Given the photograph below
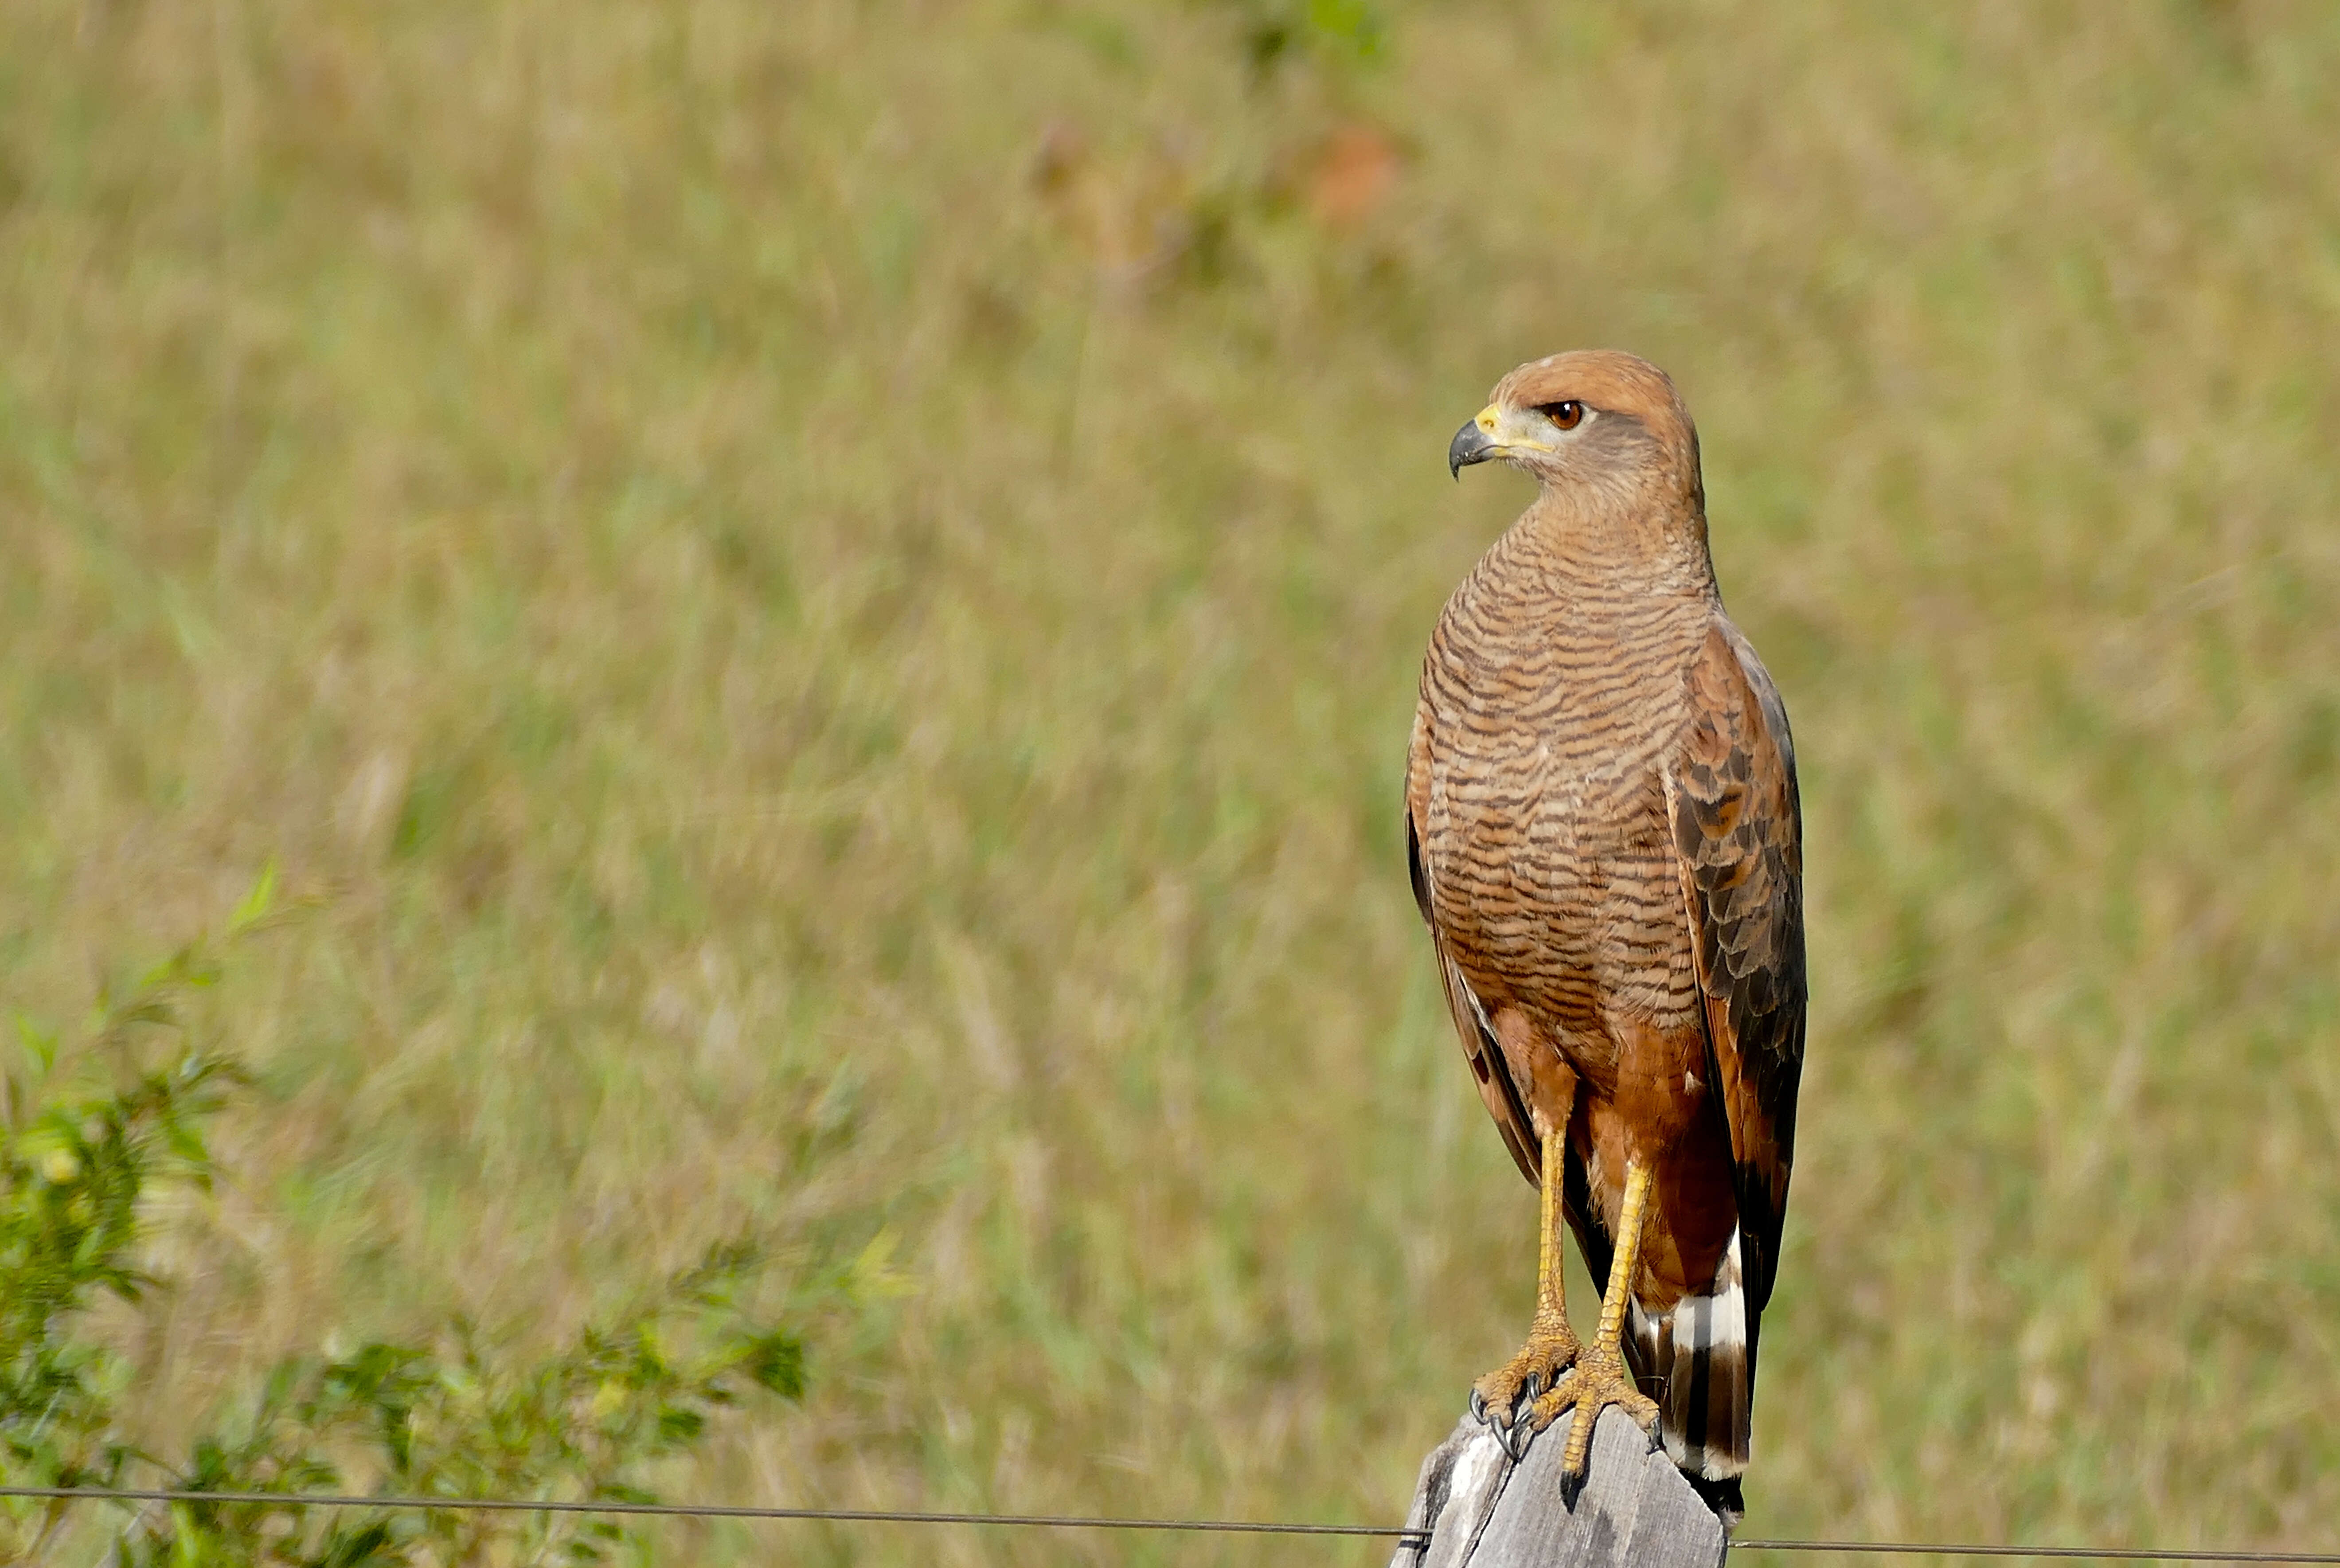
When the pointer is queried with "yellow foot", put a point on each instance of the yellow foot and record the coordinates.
(1599, 1380)
(1506, 1398)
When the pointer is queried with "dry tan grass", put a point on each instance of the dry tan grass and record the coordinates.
(826, 599)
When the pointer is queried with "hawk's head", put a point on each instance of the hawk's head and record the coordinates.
(1592, 418)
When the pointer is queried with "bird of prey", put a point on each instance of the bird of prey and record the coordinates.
(1604, 838)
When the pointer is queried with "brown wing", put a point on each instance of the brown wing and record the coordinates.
(1730, 784)
(1471, 1023)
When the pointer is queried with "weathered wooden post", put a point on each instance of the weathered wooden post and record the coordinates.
(1481, 1508)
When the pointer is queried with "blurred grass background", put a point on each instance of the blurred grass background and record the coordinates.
(826, 596)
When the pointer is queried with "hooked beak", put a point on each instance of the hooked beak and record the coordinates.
(1494, 431)
(1471, 444)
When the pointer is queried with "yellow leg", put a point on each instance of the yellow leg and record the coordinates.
(1552, 1347)
(1601, 1377)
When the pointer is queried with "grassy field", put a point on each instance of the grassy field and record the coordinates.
(823, 600)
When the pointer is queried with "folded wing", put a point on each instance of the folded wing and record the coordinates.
(1731, 785)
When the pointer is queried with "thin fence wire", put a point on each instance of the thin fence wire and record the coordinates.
(2092, 1553)
(712, 1510)
(1400, 1533)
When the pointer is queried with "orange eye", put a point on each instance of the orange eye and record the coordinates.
(1566, 415)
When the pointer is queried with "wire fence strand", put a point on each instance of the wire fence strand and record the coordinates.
(712, 1510)
(2091, 1554)
(1404, 1535)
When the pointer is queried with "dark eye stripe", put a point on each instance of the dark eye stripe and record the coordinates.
(1566, 415)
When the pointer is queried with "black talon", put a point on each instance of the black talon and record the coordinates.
(1478, 1406)
(1572, 1485)
(1532, 1387)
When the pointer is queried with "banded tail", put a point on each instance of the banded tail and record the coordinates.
(1698, 1361)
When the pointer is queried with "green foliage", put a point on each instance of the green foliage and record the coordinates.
(462, 1422)
(85, 1137)
(92, 1131)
